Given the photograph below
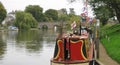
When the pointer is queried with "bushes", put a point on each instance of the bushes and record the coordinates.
(25, 20)
(111, 41)
(2, 12)
(109, 29)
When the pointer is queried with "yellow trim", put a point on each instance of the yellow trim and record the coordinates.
(82, 51)
(75, 41)
(96, 33)
(81, 47)
(58, 49)
(86, 45)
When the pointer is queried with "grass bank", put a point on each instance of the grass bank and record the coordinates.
(110, 38)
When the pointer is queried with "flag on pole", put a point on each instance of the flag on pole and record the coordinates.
(85, 8)
(73, 25)
(85, 11)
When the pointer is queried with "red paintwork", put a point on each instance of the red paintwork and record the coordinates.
(60, 54)
(76, 52)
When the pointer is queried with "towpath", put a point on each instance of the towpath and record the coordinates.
(104, 58)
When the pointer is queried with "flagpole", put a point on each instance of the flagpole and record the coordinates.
(80, 29)
(84, 14)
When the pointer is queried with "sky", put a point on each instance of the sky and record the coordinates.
(11, 5)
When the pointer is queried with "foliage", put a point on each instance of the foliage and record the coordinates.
(69, 18)
(63, 17)
(107, 8)
(72, 11)
(111, 40)
(2, 12)
(51, 14)
(98, 8)
(73, 18)
(36, 11)
(109, 29)
(64, 11)
(25, 20)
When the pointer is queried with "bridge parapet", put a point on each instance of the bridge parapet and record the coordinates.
(49, 24)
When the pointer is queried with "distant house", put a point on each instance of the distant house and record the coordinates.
(9, 19)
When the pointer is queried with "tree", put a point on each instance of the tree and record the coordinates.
(36, 11)
(64, 11)
(73, 17)
(72, 11)
(25, 20)
(114, 5)
(51, 14)
(63, 17)
(103, 16)
(2, 13)
(102, 11)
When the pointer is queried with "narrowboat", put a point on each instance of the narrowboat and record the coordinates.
(74, 49)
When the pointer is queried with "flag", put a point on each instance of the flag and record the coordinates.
(73, 25)
(85, 11)
(85, 8)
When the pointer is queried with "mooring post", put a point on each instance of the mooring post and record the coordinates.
(97, 36)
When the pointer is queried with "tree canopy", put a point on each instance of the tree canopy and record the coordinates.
(51, 14)
(34, 14)
(2, 12)
(104, 9)
(109, 7)
(64, 11)
(36, 11)
(25, 20)
(71, 11)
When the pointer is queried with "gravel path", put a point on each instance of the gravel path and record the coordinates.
(104, 58)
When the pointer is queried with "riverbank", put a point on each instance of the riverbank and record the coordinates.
(104, 58)
(110, 38)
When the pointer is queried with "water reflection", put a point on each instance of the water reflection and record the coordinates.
(32, 40)
(2, 46)
(33, 47)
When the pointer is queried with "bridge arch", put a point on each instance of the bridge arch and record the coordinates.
(50, 25)
(44, 26)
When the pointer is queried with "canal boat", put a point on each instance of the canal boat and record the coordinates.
(74, 49)
(78, 47)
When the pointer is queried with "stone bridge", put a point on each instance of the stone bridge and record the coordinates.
(50, 24)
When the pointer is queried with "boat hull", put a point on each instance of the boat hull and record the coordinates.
(52, 63)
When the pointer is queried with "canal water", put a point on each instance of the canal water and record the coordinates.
(35, 47)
